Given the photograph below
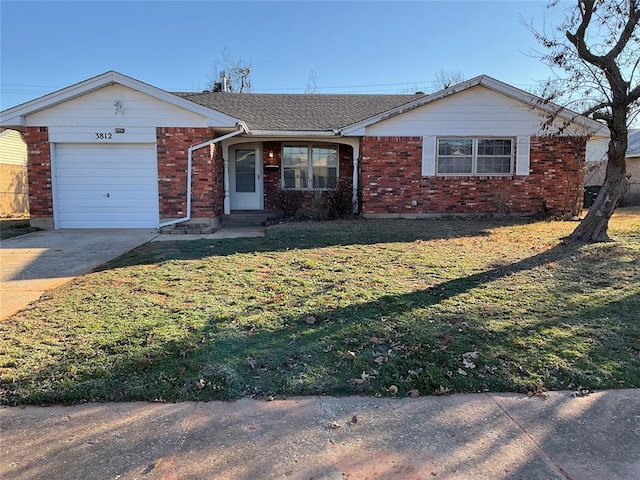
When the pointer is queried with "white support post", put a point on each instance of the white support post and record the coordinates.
(356, 156)
(227, 199)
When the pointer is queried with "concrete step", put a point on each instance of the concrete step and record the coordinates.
(247, 218)
(188, 229)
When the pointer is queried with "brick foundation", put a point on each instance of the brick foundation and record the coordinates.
(392, 181)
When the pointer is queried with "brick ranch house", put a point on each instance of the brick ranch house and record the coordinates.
(112, 151)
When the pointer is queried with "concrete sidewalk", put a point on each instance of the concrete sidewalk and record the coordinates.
(479, 436)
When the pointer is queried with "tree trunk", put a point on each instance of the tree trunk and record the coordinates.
(593, 228)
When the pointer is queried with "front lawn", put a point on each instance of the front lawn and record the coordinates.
(424, 307)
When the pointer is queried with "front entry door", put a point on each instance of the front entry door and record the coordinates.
(246, 179)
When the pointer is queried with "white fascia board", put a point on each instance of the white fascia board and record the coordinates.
(485, 81)
(292, 133)
(16, 116)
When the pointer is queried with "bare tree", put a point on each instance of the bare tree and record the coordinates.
(445, 79)
(230, 74)
(596, 55)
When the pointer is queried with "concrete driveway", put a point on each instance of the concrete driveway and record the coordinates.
(34, 263)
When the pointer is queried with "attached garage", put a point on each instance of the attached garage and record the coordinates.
(105, 185)
(115, 152)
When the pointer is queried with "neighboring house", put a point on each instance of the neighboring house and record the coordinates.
(14, 193)
(112, 151)
(597, 165)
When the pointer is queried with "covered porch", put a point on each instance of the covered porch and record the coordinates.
(258, 172)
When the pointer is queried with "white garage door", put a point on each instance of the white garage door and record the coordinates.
(106, 186)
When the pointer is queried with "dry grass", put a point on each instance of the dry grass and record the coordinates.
(339, 308)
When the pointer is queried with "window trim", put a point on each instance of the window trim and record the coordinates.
(310, 146)
(474, 156)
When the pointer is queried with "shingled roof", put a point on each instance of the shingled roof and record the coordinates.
(298, 112)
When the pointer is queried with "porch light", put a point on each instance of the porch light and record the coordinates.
(271, 161)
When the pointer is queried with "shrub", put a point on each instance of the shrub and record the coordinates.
(288, 201)
(340, 200)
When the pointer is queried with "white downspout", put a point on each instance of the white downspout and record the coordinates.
(241, 129)
(356, 158)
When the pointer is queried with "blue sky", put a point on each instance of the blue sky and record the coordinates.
(352, 47)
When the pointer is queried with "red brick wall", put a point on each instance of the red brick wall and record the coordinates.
(272, 176)
(39, 172)
(217, 200)
(391, 179)
(173, 145)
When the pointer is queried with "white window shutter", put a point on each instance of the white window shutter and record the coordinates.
(522, 156)
(428, 156)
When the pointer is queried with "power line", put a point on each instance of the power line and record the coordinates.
(27, 89)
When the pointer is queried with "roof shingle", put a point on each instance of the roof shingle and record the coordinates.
(298, 112)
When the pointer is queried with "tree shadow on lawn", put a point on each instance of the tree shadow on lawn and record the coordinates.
(366, 347)
(314, 235)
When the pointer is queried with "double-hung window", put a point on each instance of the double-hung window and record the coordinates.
(475, 156)
(307, 167)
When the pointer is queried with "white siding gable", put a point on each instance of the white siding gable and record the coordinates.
(13, 149)
(477, 111)
(100, 108)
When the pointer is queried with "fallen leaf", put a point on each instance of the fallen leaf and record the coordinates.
(462, 372)
(334, 425)
(468, 364)
(442, 390)
(350, 355)
(393, 390)
(467, 357)
(354, 419)
(310, 320)
(380, 360)
(328, 349)
(374, 340)
(415, 393)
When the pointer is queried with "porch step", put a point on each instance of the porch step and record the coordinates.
(247, 218)
(188, 229)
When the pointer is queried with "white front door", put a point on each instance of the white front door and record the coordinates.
(245, 178)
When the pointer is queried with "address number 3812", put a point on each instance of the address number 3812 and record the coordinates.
(103, 136)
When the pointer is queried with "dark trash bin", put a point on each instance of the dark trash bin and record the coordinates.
(590, 194)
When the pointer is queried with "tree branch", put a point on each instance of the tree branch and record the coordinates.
(602, 116)
(578, 38)
(597, 107)
(629, 27)
(634, 94)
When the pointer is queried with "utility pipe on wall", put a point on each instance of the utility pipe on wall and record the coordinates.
(241, 129)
